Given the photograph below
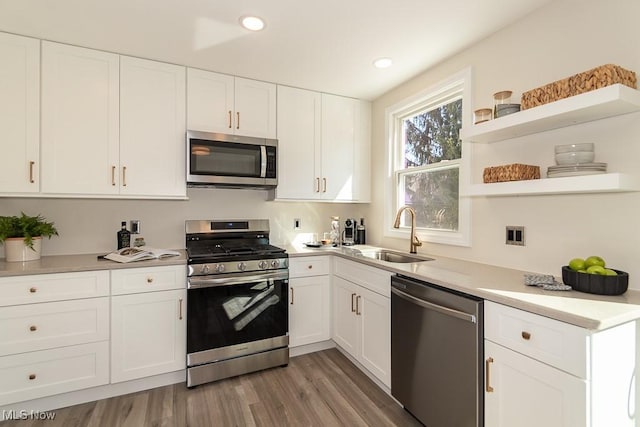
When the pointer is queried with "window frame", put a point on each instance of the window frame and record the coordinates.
(431, 97)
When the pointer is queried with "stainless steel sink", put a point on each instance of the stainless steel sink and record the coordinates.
(393, 256)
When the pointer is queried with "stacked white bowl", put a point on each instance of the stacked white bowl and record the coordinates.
(574, 154)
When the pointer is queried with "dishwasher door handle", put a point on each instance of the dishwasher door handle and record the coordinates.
(440, 309)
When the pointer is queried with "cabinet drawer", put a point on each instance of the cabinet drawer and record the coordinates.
(43, 373)
(33, 327)
(555, 343)
(149, 279)
(374, 279)
(309, 266)
(53, 287)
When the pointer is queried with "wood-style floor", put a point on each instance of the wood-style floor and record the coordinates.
(316, 389)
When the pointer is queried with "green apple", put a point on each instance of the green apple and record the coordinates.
(609, 272)
(596, 269)
(582, 271)
(577, 264)
(594, 260)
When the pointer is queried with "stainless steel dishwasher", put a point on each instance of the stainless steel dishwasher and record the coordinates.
(437, 353)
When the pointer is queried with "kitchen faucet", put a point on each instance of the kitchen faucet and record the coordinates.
(415, 242)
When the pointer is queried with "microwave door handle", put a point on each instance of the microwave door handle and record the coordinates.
(263, 161)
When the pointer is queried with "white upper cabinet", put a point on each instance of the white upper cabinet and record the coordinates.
(80, 120)
(19, 114)
(324, 147)
(232, 105)
(299, 147)
(152, 128)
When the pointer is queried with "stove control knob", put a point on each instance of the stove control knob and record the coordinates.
(242, 266)
(275, 263)
(263, 264)
(205, 269)
(219, 268)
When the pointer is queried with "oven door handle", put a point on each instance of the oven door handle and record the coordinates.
(196, 282)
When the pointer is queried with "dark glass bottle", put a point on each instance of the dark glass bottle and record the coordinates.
(361, 238)
(124, 236)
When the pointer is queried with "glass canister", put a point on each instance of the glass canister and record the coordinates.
(482, 115)
(501, 99)
(335, 230)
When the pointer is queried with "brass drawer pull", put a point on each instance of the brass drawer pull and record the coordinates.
(358, 312)
(180, 315)
(353, 310)
(487, 373)
(317, 185)
(238, 121)
(292, 296)
(113, 175)
(526, 335)
(32, 376)
(324, 185)
(33, 289)
(124, 176)
(33, 328)
(229, 119)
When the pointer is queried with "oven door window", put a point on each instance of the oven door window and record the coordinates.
(227, 315)
(225, 159)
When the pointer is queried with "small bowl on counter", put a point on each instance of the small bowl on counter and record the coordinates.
(595, 283)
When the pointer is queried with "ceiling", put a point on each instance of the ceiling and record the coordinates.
(326, 45)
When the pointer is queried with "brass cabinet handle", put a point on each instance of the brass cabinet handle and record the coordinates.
(124, 176)
(149, 280)
(526, 335)
(317, 185)
(32, 376)
(353, 310)
(324, 185)
(291, 296)
(238, 120)
(33, 328)
(31, 164)
(230, 119)
(487, 366)
(180, 313)
(33, 289)
(358, 312)
(113, 175)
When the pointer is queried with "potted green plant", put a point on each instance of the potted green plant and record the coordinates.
(22, 236)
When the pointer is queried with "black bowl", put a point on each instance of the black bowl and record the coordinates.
(596, 284)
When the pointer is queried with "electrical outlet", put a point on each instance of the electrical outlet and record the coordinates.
(135, 226)
(297, 223)
(514, 235)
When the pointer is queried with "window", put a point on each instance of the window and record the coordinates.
(427, 165)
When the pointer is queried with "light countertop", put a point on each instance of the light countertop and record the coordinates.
(498, 284)
(506, 286)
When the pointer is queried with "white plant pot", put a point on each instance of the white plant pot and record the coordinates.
(16, 251)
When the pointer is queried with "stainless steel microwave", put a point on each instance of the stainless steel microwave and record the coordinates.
(232, 161)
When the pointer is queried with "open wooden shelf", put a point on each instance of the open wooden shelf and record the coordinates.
(598, 104)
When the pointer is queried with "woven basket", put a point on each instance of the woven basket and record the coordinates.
(513, 172)
(596, 78)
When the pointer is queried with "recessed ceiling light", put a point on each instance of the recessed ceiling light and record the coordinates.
(383, 63)
(252, 23)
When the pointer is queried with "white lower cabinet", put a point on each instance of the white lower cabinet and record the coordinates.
(309, 300)
(543, 372)
(362, 317)
(148, 328)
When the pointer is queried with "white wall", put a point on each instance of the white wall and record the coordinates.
(557, 41)
(90, 226)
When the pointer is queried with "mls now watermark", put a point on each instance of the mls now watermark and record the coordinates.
(24, 414)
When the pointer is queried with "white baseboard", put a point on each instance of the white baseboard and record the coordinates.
(311, 348)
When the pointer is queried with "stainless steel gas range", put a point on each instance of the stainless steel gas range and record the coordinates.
(237, 314)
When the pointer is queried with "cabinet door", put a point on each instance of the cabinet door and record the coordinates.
(528, 393)
(148, 334)
(80, 99)
(152, 128)
(375, 347)
(210, 101)
(19, 114)
(255, 113)
(338, 138)
(346, 327)
(298, 144)
(309, 310)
